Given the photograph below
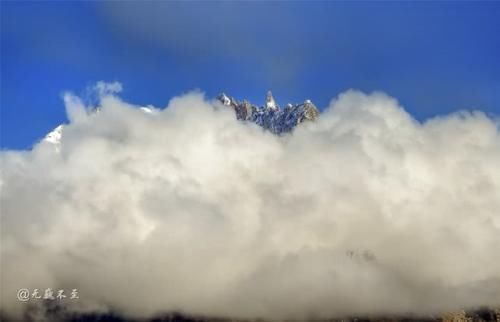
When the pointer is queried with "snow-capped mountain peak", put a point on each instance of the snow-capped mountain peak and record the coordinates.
(225, 100)
(270, 102)
(55, 135)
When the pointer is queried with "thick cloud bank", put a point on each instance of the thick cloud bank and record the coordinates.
(365, 211)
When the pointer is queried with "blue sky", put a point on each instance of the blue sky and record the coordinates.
(434, 57)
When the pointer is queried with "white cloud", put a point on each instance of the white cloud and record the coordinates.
(103, 88)
(364, 211)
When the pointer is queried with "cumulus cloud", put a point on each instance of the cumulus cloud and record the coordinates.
(365, 211)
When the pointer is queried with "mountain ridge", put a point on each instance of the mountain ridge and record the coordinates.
(270, 116)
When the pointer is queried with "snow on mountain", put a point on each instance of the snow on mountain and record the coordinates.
(147, 110)
(54, 136)
(270, 102)
(224, 99)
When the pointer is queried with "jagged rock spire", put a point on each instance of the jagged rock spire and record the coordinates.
(224, 99)
(310, 110)
(270, 102)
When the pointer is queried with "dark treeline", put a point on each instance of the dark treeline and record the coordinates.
(58, 314)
